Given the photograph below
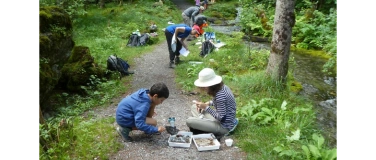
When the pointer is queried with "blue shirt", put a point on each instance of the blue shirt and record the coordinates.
(133, 109)
(187, 32)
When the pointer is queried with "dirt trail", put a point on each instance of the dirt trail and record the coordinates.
(149, 69)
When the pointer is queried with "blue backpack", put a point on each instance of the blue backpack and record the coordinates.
(115, 63)
(209, 35)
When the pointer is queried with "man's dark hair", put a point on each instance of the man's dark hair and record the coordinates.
(160, 89)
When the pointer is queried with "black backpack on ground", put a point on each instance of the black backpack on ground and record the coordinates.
(144, 39)
(207, 47)
(115, 63)
(135, 40)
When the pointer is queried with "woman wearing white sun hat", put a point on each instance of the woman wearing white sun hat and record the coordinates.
(219, 113)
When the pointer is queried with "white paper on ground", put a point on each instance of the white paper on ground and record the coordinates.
(219, 45)
(195, 62)
(184, 52)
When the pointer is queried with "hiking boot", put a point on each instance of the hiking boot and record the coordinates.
(124, 133)
(171, 65)
(177, 60)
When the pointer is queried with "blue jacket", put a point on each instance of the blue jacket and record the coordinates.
(133, 109)
(187, 32)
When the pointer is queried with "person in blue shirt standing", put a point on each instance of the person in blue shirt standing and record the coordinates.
(181, 31)
(135, 111)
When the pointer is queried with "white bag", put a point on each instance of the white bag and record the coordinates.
(173, 43)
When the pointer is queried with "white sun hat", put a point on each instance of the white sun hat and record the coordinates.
(207, 78)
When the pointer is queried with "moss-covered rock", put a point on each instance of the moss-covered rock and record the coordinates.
(55, 46)
(295, 86)
(80, 70)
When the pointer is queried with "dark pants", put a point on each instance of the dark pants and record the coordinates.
(178, 46)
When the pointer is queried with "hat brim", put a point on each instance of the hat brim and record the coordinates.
(216, 80)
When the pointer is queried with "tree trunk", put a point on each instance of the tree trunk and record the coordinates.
(101, 4)
(280, 47)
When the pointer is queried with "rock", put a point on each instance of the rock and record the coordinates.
(55, 47)
(80, 70)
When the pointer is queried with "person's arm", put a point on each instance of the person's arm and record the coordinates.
(140, 117)
(151, 112)
(219, 113)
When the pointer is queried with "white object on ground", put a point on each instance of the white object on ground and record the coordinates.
(195, 62)
(219, 45)
(229, 142)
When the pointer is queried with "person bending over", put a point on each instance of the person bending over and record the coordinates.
(181, 31)
(190, 13)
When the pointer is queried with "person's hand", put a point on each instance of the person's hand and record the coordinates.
(197, 108)
(155, 114)
(201, 105)
(161, 129)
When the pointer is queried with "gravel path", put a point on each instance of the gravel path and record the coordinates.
(149, 69)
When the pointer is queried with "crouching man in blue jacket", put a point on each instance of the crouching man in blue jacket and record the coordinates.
(135, 111)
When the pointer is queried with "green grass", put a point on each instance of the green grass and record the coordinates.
(223, 11)
(106, 32)
(86, 139)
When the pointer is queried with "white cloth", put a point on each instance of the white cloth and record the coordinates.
(173, 43)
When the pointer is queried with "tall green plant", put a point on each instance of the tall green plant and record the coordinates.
(316, 150)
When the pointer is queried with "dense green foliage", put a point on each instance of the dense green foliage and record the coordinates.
(315, 25)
